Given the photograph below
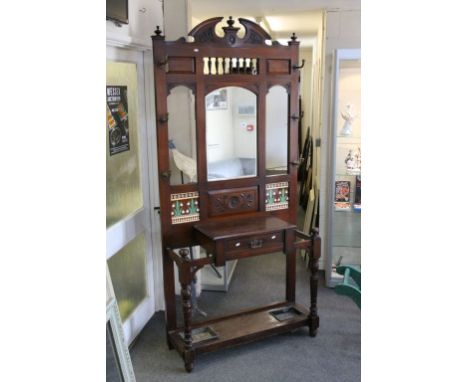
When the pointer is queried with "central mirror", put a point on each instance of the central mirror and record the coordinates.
(231, 133)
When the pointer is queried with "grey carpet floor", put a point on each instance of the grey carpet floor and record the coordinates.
(333, 356)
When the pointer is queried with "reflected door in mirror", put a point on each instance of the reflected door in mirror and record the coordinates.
(182, 136)
(276, 153)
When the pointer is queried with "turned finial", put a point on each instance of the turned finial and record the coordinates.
(230, 21)
(158, 31)
(294, 37)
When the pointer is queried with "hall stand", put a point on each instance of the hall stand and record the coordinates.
(231, 217)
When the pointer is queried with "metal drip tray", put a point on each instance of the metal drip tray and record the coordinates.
(286, 313)
(202, 334)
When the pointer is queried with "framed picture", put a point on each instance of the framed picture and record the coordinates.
(117, 119)
(217, 100)
(342, 194)
(246, 110)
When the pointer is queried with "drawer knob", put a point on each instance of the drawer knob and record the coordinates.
(255, 243)
(273, 237)
(238, 244)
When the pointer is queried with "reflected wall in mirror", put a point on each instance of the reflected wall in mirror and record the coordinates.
(231, 133)
(182, 136)
(276, 152)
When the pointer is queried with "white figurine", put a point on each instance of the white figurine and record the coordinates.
(353, 162)
(348, 116)
(349, 161)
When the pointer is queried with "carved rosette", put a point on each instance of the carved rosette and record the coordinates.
(185, 207)
(233, 201)
(277, 196)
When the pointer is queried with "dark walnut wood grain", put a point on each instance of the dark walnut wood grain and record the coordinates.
(205, 33)
(278, 66)
(240, 238)
(242, 227)
(178, 65)
(245, 326)
(233, 221)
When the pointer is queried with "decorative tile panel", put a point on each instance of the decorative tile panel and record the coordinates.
(277, 196)
(185, 208)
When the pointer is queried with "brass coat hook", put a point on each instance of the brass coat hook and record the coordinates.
(164, 118)
(162, 63)
(295, 117)
(299, 67)
(166, 174)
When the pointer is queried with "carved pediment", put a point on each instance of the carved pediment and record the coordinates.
(205, 32)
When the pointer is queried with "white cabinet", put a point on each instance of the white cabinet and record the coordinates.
(343, 239)
(218, 278)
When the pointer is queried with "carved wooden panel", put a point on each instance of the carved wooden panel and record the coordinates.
(181, 65)
(205, 33)
(278, 66)
(233, 201)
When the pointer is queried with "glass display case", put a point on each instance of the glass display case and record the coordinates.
(344, 208)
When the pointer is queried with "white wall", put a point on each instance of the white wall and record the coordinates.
(306, 89)
(177, 18)
(245, 142)
(219, 133)
(143, 16)
(317, 98)
(226, 134)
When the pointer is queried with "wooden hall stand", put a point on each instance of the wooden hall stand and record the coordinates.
(231, 217)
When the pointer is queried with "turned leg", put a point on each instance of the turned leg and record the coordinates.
(186, 293)
(187, 308)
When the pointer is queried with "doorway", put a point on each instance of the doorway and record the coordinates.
(130, 226)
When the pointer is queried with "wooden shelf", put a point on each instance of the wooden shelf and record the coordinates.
(243, 327)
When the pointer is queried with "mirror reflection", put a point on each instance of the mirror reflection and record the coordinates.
(182, 137)
(276, 155)
(231, 133)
